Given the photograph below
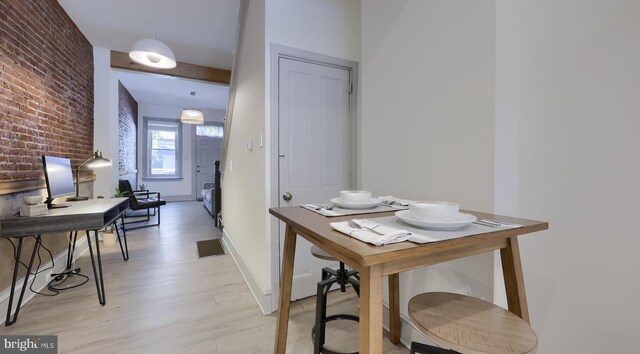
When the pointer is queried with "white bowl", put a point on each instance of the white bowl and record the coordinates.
(434, 210)
(355, 197)
(32, 199)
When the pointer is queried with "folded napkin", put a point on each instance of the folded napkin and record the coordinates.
(365, 233)
(393, 201)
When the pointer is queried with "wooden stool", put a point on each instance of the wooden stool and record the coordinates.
(330, 276)
(469, 325)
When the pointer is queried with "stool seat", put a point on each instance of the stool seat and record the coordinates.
(320, 253)
(470, 325)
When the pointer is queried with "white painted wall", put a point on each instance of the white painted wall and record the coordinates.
(577, 93)
(243, 194)
(105, 128)
(325, 27)
(329, 27)
(428, 118)
(180, 189)
(561, 145)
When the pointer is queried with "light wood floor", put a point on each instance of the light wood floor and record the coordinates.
(166, 300)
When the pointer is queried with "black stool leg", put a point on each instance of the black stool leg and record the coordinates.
(329, 277)
(321, 314)
(342, 277)
(419, 348)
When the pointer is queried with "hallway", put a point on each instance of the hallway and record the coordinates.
(166, 300)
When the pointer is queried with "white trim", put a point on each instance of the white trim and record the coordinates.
(408, 332)
(263, 297)
(42, 279)
(179, 198)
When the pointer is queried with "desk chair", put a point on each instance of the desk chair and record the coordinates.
(468, 325)
(330, 276)
(141, 200)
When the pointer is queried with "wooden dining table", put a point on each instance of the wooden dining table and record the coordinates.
(375, 262)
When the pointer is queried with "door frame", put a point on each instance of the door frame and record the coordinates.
(194, 157)
(280, 51)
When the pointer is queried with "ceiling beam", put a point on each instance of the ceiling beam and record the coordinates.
(121, 60)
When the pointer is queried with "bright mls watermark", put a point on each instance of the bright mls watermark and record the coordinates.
(29, 344)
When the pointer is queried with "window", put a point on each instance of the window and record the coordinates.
(163, 153)
(211, 131)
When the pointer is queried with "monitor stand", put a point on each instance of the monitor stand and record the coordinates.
(77, 199)
(50, 204)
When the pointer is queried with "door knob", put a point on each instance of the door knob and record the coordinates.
(287, 196)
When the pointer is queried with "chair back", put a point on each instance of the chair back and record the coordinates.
(125, 186)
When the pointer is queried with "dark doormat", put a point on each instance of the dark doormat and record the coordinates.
(210, 248)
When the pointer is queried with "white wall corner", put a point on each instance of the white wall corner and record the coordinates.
(105, 127)
(262, 296)
(408, 332)
(506, 125)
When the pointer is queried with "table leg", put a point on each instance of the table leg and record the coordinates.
(371, 310)
(514, 279)
(286, 279)
(97, 276)
(394, 308)
(71, 248)
(125, 249)
(36, 249)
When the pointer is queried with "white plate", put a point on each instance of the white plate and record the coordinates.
(339, 203)
(461, 221)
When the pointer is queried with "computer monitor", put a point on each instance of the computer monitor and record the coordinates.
(59, 178)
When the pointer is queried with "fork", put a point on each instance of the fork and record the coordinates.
(355, 225)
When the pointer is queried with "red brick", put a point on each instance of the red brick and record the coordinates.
(40, 98)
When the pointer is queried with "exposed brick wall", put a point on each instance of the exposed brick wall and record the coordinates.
(127, 130)
(46, 88)
(46, 103)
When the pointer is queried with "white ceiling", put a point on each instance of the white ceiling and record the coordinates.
(198, 32)
(169, 91)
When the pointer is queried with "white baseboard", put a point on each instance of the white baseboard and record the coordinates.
(408, 332)
(178, 198)
(41, 279)
(263, 298)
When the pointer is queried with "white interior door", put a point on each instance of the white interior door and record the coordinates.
(207, 152)
(314, 148)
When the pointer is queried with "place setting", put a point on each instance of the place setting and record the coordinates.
(354, 202)
(421, 222)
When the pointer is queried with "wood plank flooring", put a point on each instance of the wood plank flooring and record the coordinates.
(166, 300)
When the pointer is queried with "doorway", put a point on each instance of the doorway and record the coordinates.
(314, 145)
(208, 148)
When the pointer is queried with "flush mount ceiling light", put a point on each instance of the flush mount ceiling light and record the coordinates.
(192, 116)
(153, 53)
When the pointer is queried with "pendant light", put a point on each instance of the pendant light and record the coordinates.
(192, 116)
(151, 52)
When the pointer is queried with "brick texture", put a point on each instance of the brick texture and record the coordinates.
(127, 130)
(46, 88)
